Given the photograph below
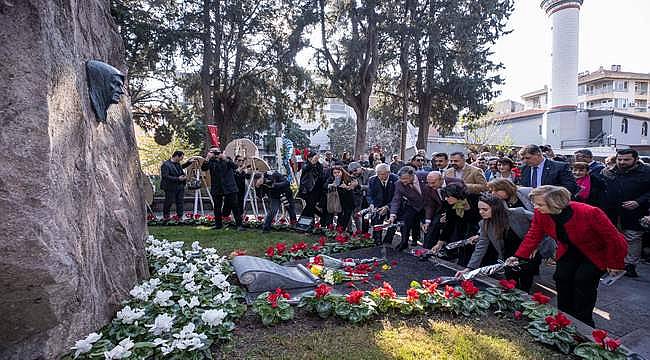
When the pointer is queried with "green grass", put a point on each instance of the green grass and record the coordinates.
(228, 239)
(415, 338)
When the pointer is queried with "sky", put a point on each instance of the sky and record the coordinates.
(611, 32)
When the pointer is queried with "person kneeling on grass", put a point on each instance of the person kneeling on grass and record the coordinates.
(500, 234)
(275, 186)
(588, 246)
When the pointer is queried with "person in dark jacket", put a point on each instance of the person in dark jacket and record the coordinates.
(460, 220)
(311, 185)
(592, 187)
(407, 202)
(626, 201)
(434, 208)
(588, 245)
(242, 173)
(586, 156)
(275, 186)
(223, 188)
(381, 189)
(172, 181)
(540, 171)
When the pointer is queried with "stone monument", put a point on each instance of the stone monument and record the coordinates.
(259, 275)
(72, 217)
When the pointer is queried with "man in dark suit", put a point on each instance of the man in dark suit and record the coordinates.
(542, 171)
(406, 204)
(223, 188)
(172, 181)
(381, 188)
(585, 155)
(434, 198)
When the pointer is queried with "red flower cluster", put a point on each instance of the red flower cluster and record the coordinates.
(341, 239)
(197, 216)
(238, 252)
(330, 227)
(260, 218)
(317, 225)
(354, 297)
(469, 288)
(508, 284)
(270, 251)
(316, 247)
(600, 337)
(209, 217)
(366, 235)
(450, 292)
(393, 263)
(151, 217)
(420, 252)
(431, 285)
(273, 297)
(386, 291)
(322, 240)
(281, 247)
(377, 276)
(541, 298)
(322, 290)
(517, 315)
(339, 229)
(412, 295)
(557, 322)
(176, 218)
(282, 221)
(298, 247)
(227, 218)
(318, 260)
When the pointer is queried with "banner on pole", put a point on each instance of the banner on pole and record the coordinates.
(213, 130)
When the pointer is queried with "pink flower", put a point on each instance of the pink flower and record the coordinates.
(612, 344)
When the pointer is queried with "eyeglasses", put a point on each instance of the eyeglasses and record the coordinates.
(419, 159)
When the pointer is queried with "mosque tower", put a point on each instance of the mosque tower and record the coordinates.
(560, 120)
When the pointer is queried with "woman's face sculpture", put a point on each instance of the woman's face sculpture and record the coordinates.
(105, 86)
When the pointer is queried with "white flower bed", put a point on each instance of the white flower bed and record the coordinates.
(186, 306)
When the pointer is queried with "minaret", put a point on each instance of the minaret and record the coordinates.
(560, 119)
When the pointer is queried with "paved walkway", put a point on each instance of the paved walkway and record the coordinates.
(623, 309)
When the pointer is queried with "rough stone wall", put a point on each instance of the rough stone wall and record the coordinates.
(72, 219)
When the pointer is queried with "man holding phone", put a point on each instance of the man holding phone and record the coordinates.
(224, 187)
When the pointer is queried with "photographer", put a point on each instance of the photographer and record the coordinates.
(172, 181)
(223, 188)
(274, 185)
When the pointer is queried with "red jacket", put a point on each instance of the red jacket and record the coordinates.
(589, 229)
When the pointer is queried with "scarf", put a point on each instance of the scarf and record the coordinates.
(585, 185)
(460, 206)
(560, 220)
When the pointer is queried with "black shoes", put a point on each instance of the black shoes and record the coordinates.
(630, 271)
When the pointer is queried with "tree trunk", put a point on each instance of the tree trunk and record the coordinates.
(404, 66)
(206, 78)
(424, 113)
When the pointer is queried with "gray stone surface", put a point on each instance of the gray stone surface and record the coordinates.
(71, 211)
(259, 275)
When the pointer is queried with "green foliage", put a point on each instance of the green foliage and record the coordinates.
(593, 351)
(153, 154)
(272, 312)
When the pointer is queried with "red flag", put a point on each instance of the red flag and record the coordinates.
(214, 135)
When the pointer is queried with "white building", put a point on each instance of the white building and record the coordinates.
(552, 115)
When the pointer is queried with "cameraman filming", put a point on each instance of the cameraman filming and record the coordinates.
(274, 185)
(223, 188)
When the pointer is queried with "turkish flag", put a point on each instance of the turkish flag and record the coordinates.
(214, 135)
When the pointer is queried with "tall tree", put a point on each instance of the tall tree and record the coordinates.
(349, 55)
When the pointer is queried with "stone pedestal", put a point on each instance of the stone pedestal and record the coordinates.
(72, 219)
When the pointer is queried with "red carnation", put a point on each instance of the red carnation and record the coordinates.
(469, 288)
(270, 251)
(322, 240)
(322, 290)
(508, 284)
(517, 315)
(599, 335)
(281, 247)
(318, 260)
(354, 297)
(541, 298)
(612, 344)
(412, 295)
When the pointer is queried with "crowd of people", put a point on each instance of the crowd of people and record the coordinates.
(522, 208)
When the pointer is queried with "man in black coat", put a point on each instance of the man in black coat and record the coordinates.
(542, 171)
(172, 181)
(626, 201)
(311, 184)
(381, 188)
(224, 187)
(275, 185)
(407, 202)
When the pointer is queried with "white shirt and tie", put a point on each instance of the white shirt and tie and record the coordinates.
(536, 174)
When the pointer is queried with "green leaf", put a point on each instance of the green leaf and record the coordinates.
(564, 347)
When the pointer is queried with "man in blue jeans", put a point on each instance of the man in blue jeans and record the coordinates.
(275, 186)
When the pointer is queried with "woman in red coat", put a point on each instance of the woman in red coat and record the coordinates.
(588, 245)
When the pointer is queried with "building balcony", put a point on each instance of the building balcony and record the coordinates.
(641, 93)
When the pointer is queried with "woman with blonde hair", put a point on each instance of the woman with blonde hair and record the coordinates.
(510, 193)
(588, 246)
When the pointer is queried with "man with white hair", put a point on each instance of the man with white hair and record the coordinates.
(381, 189)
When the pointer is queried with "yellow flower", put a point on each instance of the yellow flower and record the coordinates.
(385, 267)
(316, 269)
